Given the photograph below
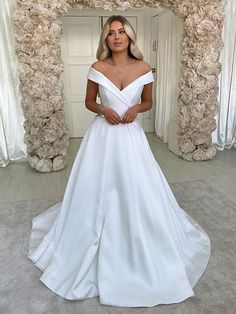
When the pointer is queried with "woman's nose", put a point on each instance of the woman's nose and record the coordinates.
(117, 36)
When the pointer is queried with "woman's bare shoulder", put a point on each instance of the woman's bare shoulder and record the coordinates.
(139, 66)
(142, 66)
(95, 64)
(100, 65)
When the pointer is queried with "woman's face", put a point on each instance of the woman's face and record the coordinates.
(117, 39)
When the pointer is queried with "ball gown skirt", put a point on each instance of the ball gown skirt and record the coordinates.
(119, 232)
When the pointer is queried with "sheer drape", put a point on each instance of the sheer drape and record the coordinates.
(225, 134)
(12, 146)
(170, 30)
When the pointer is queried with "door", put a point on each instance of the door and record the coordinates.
(149, 116)
(78, 46)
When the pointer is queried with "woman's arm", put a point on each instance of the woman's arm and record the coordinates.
(91, 96)
(90, 102)
(146, 99)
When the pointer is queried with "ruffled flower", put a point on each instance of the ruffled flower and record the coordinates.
(37, 33)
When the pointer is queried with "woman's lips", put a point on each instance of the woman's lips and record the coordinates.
(117, 44)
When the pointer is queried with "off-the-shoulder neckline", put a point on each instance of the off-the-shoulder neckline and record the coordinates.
(121, 90)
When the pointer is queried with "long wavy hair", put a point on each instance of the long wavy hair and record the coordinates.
(104, 52)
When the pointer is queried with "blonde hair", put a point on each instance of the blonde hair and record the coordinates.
(104, 52)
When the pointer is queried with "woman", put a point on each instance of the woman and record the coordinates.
(118, 233)
(119, 64)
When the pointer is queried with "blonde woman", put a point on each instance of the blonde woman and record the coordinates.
(119, 233)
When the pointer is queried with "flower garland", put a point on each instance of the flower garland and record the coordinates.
(37, 32)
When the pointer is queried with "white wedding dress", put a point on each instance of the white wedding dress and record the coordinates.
(119, 232)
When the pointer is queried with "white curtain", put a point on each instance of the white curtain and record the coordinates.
(170, 30)
(225, 134)
(12, 146)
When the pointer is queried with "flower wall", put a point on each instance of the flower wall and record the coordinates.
(38, 30)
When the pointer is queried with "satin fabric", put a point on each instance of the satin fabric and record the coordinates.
(118, 233)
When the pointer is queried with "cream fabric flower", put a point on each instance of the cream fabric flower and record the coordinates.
(37, 36)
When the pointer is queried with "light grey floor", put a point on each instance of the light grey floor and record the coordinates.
(19, 182)
(214, 294)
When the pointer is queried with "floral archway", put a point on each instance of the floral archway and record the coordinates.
(37, 31)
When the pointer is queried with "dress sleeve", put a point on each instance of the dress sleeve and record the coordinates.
(148, 78)
(92, 75)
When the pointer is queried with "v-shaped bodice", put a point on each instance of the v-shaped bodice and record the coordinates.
(112, 96)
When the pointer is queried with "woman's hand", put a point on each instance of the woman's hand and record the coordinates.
(130, 115)
(111, 115)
